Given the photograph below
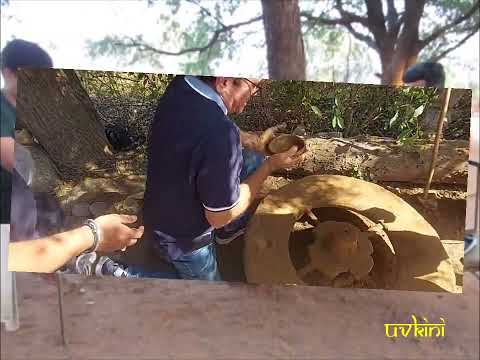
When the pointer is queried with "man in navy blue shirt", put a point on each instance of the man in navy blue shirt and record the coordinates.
(197, 182)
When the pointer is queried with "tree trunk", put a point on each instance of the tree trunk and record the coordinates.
(45, 175)
(54, 107)
(403, 58)
(407, 47)
(382, 159)
(285, 50)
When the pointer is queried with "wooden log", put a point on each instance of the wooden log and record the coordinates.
(384, 159)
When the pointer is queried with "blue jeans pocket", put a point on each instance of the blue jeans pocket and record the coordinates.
(200, 264)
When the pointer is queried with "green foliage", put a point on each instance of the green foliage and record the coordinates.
(443, 13)
(130, 99)
(410, 104)
(138, 86)
(210, 17)
(358, 173)
(195, 34)
(353, 109)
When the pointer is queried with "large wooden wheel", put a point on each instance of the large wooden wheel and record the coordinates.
(421, 262)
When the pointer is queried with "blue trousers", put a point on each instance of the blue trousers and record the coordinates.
(200, 264)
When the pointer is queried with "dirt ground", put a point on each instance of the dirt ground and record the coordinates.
(178, 319)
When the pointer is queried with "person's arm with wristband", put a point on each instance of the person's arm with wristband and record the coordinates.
(50, 253)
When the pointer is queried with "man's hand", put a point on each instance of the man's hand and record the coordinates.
(268, 136)
(286, 160)
(116, 234)
(259, 142)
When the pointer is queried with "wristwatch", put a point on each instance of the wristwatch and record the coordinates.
(96, 234)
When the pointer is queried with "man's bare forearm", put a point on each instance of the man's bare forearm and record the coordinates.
(249, 189)
(48, 254)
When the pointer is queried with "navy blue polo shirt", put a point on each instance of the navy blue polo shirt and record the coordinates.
(194, 163)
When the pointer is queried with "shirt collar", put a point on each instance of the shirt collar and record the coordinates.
(206, 91)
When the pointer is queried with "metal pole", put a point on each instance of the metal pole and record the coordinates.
(9, 300)
(60, 306)
(441, 116)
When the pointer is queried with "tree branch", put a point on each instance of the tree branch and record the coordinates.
(376, 21)
(133, 43)
(392, 16)
(318, 20)
(365, 38)
(437, 33)
(346, 19)
(460, 43)
(396, 29)
(206, 11)
(349, 17)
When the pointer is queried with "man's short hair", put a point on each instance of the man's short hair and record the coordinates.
(20, 53)
(431, 72)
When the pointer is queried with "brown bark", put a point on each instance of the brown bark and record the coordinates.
(53, 106)
(402, 60)
(407, 46)
(45, 177)
(285, 50)
(383, 159)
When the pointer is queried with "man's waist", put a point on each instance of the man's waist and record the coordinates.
(172, 247)
(162, 235)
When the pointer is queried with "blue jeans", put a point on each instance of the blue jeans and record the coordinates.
(251, 161)
(201, 264)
